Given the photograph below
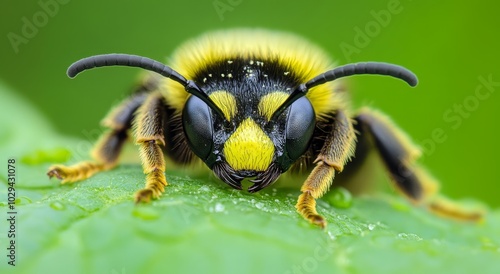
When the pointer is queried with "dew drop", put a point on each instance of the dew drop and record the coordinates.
(331, 236)
(409, 236)
(145, 213)
(219, 207)
(23, 200)
(57, 206)
(204, 188)
(340, 198)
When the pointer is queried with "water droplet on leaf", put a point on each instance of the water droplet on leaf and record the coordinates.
(219, 207)
(409, 237)
(145, 213)
(259, 205)
(340, 197)
(57, 206)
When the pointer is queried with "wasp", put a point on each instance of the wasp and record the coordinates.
(254, 104)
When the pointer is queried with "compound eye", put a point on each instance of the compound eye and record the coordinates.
(299, 127)
(198, 127)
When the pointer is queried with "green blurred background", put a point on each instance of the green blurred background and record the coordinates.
(448, 44)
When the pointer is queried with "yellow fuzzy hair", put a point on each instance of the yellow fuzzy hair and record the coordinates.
(305, 58)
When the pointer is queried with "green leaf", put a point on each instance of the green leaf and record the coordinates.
(202, 226)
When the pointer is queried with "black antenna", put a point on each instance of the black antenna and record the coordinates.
(128, 60)
(377, 68)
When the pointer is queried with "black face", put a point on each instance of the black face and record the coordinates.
(280, 141)
(291, 133)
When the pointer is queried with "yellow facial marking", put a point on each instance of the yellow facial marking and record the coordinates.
(270, 102)
(226, 102)
(249, 148)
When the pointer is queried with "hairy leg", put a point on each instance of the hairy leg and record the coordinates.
(149, 125)
(399, 155)
(107, 150)
(105, 153)
(336, 151)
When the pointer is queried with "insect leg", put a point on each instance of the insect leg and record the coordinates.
(398, 154)
(106, 151)
(149, 125)
(336, 151)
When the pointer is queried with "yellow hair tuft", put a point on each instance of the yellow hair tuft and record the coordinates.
(269, 103)
(226, 102)
(304, 59)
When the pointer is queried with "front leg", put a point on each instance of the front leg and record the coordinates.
(149, 136)
(336, 151)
